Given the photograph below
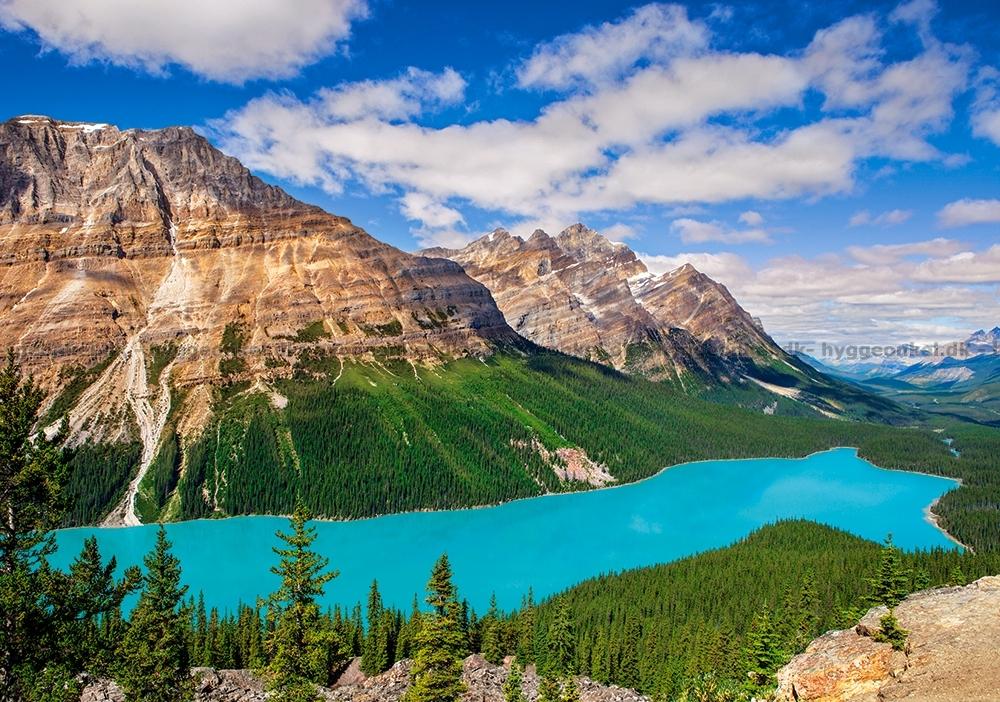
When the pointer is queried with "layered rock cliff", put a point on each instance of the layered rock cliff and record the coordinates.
(108, 236)
(951, 653)
(589, 297)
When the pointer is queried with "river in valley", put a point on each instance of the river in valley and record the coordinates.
(549, 543)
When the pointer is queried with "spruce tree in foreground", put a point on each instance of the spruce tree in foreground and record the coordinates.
(513, 690)
(490, 645)
(889, 584)
(808, 619)
(84, 602)
(154, 664)
(436, 674)
(891, 632)
(31, 476)
(561, 658)
(557, 682)
(303, 650)
(375, 655)
(48, 619)
(548, 689)
(763, 655)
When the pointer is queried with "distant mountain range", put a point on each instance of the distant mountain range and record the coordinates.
(982, 341)
(965, 384)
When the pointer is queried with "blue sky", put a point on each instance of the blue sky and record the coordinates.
(837, 165)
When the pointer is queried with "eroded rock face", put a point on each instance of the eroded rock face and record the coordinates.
(110, 235)
(951, 655)
(484, 681)
(586, 296)
(118, 247)
(706, 309)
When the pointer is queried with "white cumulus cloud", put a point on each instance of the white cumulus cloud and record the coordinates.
(693, 231)
(986, 108)
(890, 253)
(673, 125)
(885, 219)
(654, 32)
(724, 267)
(968, 211)
(964, 267)
(221, 40)
(413, 93)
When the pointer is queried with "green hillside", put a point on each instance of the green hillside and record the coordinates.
(371, 439)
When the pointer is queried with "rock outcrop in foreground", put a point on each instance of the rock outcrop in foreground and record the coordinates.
(484, 680)
(952, 653)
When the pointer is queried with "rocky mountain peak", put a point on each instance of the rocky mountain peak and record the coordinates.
(100, 177)
(684, 271)
(582, 242)
(983, 336)
(584, 295)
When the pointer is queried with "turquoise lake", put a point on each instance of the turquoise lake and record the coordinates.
(551, 542)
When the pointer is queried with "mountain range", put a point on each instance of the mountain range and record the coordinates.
(962, 379)
(591, 298)
(166, 298)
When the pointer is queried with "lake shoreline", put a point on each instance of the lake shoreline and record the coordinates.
(552, 545)
(929, 515)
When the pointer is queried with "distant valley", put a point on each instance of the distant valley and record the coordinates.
(962, 381)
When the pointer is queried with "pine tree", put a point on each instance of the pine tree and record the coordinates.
(548, 689)
(251, 639)
(561, 650)
(199, 638)
(808, 619)
(436, 674)
(599, 664)
(408, 632)
(570, 691)
(79, 600)
(763, 654)
(154, 658)
(31, 475)
(513, 690)
(891, 632)
(491, 646)
(628, 667)
(375, 656)
(526, 629)
(301, 647)
(889, 584)
(956, 576)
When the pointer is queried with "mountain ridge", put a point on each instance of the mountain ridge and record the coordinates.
(579, 293)
(583, 295)
(156, 263)
(100, 201)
